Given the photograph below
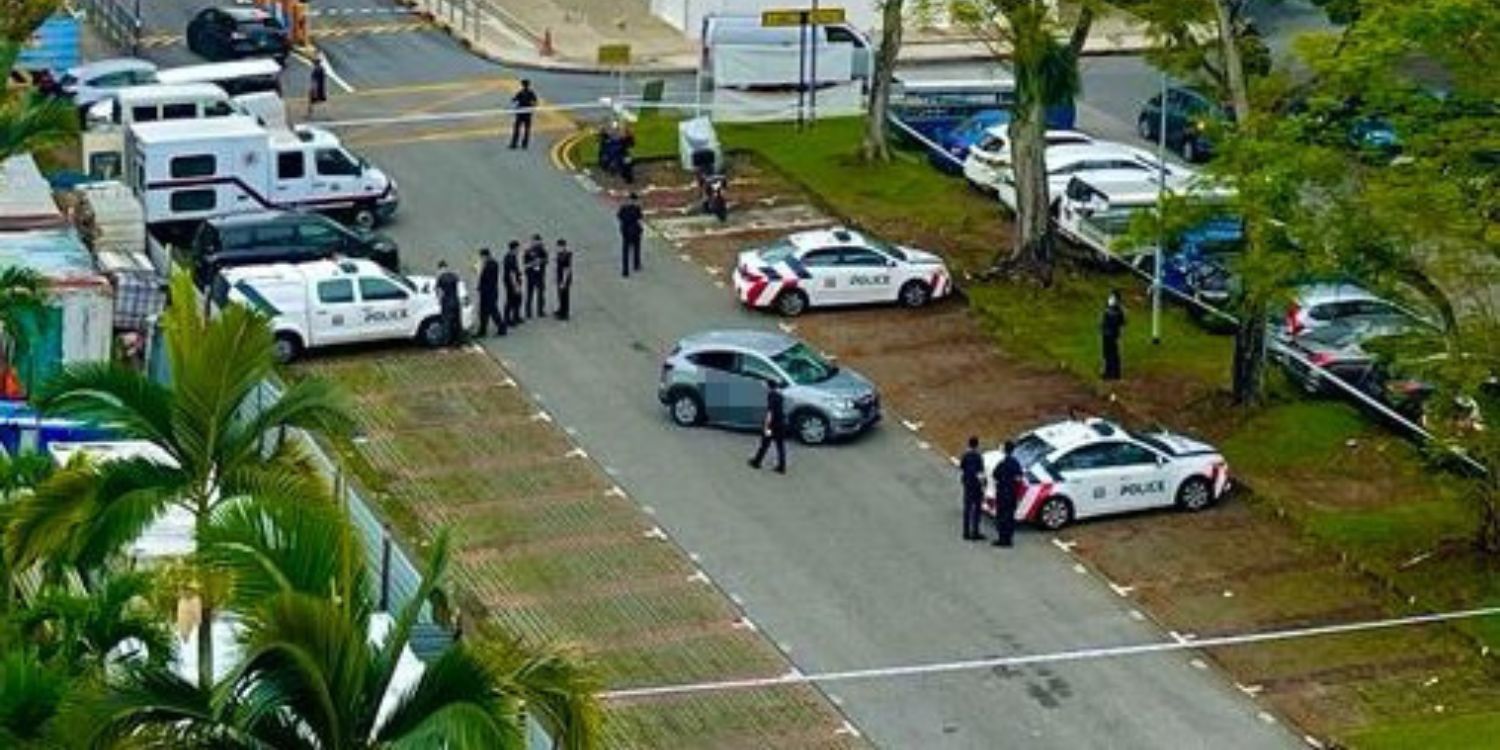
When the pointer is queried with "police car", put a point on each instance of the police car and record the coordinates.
(345, 301)
(831, 267)
(1092, 467)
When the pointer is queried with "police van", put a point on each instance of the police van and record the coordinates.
(833, 267)
(331, 302)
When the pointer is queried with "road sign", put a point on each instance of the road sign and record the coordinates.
(614, 54)
(795, 17)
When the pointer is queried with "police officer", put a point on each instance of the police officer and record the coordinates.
(489, 294)
(1007, 476)
(317, 85)
(773, 429)
(564, 279)
(447, 292)
(1110, 326)
(629, 216)
(511, 274)
(535, 261)
(524, 101)
(971, 476)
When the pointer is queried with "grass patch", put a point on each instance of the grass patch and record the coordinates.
(1298, 434)
(1436, 733)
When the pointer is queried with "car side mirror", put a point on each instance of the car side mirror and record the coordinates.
(890, 264)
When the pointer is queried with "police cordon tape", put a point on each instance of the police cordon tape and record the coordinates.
(1180, 643)
(606, 104)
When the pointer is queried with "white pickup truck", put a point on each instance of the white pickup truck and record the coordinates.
(331, 302)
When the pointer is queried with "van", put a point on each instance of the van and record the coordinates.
(747, 31)
(103, 138)
(186, 173)
(236, 78)
(332, 302)
(285, 236)
(1095, 211)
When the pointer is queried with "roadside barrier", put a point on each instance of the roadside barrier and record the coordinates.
(120, 25)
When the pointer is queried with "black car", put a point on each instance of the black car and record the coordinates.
(1190, 117)
(235, 32)
(283, 237)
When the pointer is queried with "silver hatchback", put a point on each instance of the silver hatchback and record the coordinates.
(720, 377)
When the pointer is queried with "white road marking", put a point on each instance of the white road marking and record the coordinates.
(701, 577)
(1250, 690)
(745, 623)
(1080, 570)
(1136, 615)
(923, 444)
(333, 75)
(1198, 664)
(910, 425)
(1062, 545)
(953, 460)
(1121, 591)
(848, 729)
(541, 416)
(617, 491)
(655, 532)
(576, 453)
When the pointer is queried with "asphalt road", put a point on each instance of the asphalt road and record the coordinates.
(850, 561)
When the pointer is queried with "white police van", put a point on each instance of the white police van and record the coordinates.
(1081, 468)
(831, 267)
(345, 301)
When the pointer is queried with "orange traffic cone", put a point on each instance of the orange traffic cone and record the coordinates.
(546, 49)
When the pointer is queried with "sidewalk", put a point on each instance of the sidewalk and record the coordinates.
(567, 34)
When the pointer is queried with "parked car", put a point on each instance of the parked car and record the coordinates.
(232, 32)
(326, 302)
(832, 267)
(957, 140)
(1082, 468)
(1104, 160)
(94, 82)
(1316, 305)
(990, 156)
(1190, 116)
(1196, 264)
(283, 237)
(720, 378)
(1338, 349)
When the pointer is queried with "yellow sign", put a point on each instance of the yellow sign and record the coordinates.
(614, 54)
(794, 17)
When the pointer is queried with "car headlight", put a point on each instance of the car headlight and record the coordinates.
(844, 404)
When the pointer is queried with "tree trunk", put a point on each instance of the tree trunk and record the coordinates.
(875, 147)
(1250, 354)
(1234, 67)
(205, 642)
(1032, 253)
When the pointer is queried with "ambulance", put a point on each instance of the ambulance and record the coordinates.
(332, 302)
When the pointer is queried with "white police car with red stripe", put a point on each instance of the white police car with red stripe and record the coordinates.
(1092, 467)
(831, 267)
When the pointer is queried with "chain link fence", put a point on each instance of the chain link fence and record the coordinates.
(119, 21)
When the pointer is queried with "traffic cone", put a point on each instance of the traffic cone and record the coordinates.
(546, 49)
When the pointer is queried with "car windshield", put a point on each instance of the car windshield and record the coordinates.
(1031, 449)
(780, 250)
(886, 248)
(402, 280)
(803, 365)
(1153, 442)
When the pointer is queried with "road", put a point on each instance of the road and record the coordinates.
(850, 561)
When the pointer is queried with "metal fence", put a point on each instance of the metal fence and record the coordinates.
(118, 20)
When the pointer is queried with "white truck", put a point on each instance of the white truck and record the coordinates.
(332, 302)
(103, 138)
(186, 173)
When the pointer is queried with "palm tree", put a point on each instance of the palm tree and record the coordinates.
(215, 423)
(22, 302)
(30, 120)
(90, 630)
(312, 678)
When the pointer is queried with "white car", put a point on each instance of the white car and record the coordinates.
(1092, 467)
(94, 82)
(831, 267)
(988, 158)
(1102, 159)
(329, 302)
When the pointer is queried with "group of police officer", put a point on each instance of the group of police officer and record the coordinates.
(1007, 483)
(522, 276)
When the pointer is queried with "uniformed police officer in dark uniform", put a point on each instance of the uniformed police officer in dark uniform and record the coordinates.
(511, 275)
(1110, 326)
(629, 217)
(564, 279)
(524, 102)
(447, 292)
(773, 429)
(535, 262)
(971, 476)
(489, 294)
(1007, 476)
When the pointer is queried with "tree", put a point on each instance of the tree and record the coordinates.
(29, 121)
(312, 678)
(892, 23)
(19, 19)
(222, 441)
(1046, 72)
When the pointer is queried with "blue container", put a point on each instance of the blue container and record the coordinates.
(54, 47)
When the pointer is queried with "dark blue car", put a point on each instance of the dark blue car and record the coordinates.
(956, 141)
(1196, 265)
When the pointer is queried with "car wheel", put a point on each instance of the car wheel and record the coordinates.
(287, 347)
(1146, 127)
(1195, 494)
(687, 408)
(915, 294)
(811, 427)
(1055, 513)
(364, 217)
(432, 332)
(791, 303)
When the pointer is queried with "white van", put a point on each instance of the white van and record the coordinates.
(103, 139)
(1095, 211)
(330, 302)
(239, 77)
(186, 174)
(747, 31)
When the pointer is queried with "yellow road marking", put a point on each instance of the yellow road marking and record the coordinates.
(364, 29)
(504, 84)
(430, 107)
(465, 134)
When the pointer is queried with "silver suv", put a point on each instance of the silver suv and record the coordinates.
(720, 377)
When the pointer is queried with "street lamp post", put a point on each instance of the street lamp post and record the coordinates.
(1161, 221)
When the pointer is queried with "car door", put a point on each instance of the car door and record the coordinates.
(1086, 476)
(717, 375)
(335, 313)
(385, 308)
(825, 284)
(335, 174)
(866, 276)
(320, 238)
(1138, 479)
(747, 389)
(291, 184)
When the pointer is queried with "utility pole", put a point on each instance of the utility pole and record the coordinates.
(1161, 219)
(812, 96)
